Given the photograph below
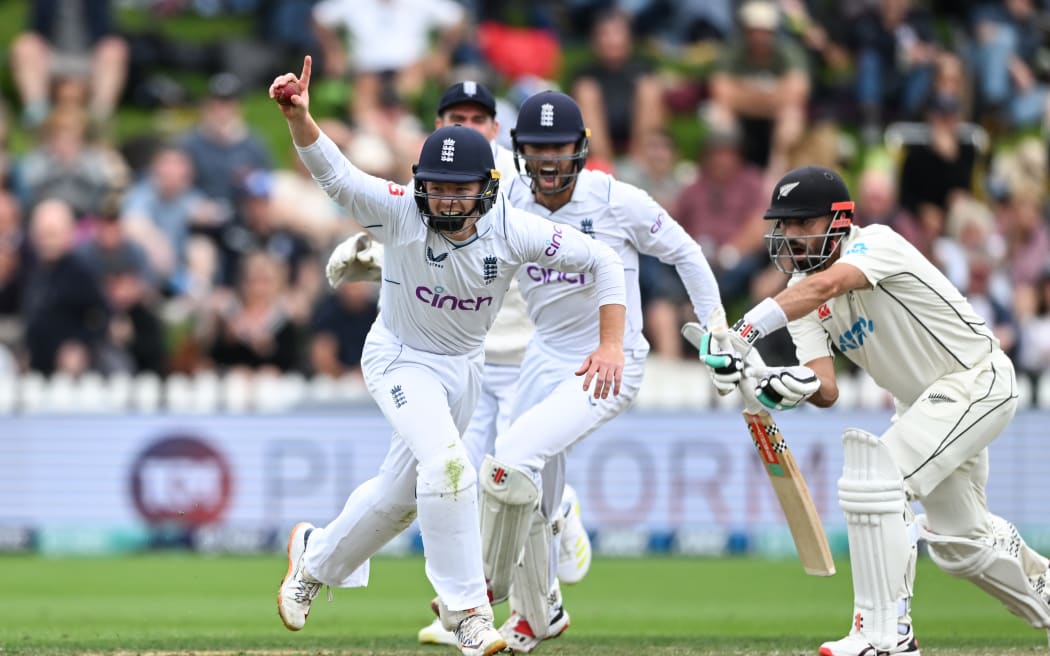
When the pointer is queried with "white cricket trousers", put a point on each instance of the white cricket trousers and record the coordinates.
(492, 413)
(428, 400)
(940, 443)
(552, 412)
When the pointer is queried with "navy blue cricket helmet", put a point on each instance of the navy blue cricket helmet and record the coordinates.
(550, 117)
(455, 154)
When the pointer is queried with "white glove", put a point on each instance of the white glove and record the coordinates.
(359, 258)
(723, 352)
(783, 388)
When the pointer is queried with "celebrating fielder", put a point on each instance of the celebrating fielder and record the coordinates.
(452, 246)
(521, 483)
(874, 297)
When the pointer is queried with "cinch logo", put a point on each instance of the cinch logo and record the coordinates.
(555, 241)
(545, 275)
(823, 312)
(439, 299)
(855, 336)
(181, 479)
(659, 223)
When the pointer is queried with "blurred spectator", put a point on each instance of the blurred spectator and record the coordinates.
(877, 202)
(339, 328)
(254, 333)
(110, 246)
(1023, 224)
(223, 147)
(259, 232)
(136, 338)
(895, 49)
(67, 166)
(1007, 37)
(653, 168)
(821, 28)
(14, 259)
(996, 314)
(302, 206)
(387, 48)
(75, 40)
(722, 210)
(938, 167)
(618, 93)
(1033, 314)
(162, 209)
(761, 82)
(64, 310)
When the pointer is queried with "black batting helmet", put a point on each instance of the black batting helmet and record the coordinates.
(803, 193)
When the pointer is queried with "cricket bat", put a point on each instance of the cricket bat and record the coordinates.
(811, 541)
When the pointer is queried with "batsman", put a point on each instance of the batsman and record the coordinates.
(871, 295)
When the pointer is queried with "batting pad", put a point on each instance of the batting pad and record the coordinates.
(509, 498)
(531, 589)
(1001, 565)
(871, 494)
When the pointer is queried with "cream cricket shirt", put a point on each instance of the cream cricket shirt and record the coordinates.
(631, 222)
(910, 329)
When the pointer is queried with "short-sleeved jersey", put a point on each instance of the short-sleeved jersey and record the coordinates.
(911, 328)
(631, 222)
(438, 296)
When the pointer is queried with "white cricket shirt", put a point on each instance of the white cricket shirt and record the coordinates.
(631, 222)
(911, 328)
(440, 297)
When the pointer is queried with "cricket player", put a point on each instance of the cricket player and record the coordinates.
(471, 104)
(522, 481)
(870, 294)
(452, 244)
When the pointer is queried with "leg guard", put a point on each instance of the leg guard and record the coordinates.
(531, 582)
(509, 498)
(871, 494)
(1002, 565)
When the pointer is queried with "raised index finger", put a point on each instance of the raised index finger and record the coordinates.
(304, 77)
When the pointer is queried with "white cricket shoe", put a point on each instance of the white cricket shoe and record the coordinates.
(574, 545)
(856, 645)
(298, 588)
(476, 636)
(436, 634)
(520, 637)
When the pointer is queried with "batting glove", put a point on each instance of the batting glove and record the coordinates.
(359, 258)
(783, 388)
(723, 353)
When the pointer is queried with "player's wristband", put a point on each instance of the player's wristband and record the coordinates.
(765, 317)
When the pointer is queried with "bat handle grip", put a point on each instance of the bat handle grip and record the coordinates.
(747, 391)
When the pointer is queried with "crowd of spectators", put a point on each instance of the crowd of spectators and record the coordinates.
(190, 250)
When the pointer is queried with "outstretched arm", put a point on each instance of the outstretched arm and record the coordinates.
(297, 111)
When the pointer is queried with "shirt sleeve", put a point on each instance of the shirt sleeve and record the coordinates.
(811, 340)
(565, 248)
(877, 252)
(654, 232)
(380, 206)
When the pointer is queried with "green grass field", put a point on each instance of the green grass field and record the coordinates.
(163, 605)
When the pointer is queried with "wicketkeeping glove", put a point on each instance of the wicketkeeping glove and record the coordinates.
(359, 258)
(783, 388)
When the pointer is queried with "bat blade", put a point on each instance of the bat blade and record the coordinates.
(789, 485)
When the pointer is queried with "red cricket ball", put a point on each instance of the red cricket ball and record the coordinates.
(283, 94)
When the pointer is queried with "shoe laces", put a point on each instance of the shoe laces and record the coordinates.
(471, 629)
(307, 587)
